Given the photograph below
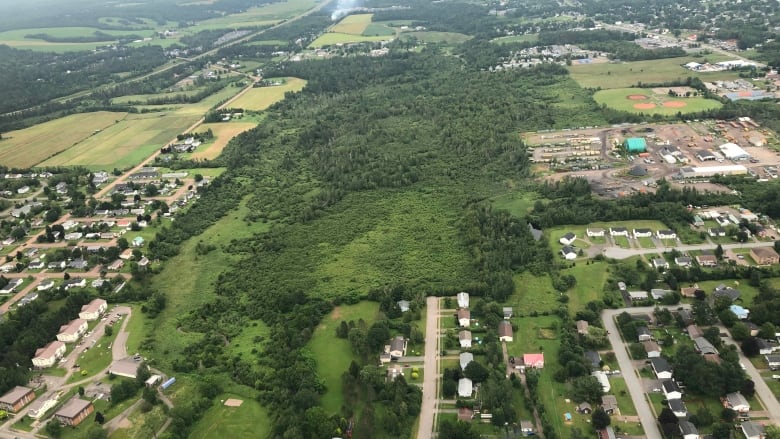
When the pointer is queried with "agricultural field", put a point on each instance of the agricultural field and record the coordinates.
(620, 75)
(331, 38)
(260, 98)
(333, 355)
(16, 38)
(223, 133)
(354, 29)
(259, 16)
(525, 38)
(437, 37)
(649, 101)
(352, 24)
(30, 146)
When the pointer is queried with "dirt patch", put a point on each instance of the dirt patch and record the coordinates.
(636, 97)
(674, 104)
(233, 402)
(644, 106)
(125, 423)
(336, 314)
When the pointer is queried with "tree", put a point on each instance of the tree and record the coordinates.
(457, 430)
(727, 317)
(667, 416)
(600, 419)
(448, 388)
(54, 428)
(122, 243)
(719, 252)
(476, 372)
(740, 331)
(750, 347)
(586, 388)
(722, 431)
(198, 178)
(702, 418)
(767, 331)
(81, 391)
(728, 415)
(748, 388)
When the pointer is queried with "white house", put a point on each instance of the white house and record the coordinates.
(773, 361)
(465, 358)
(464, 337)
(752, 430)
(397, 347)
(671, 389)
(677, 406)
(93, 309)
(595, 233)
(49, 354)
(602, 378)
(660, 263)
(71, 332)
(737, 402)
(666, 234)
(463, 300)
(464, 317)
(683, 261)
(465, 388)
(45, 285)
(618, 231)
(652, 349)
(642, 233)
(568, 253)
(505, 331)
(688, 430)
(662, 368)
(637, 295)
(568, 238)
(643, 334)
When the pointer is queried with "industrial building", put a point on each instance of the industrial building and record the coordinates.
(732, 151)
(635, 144)
(709, 171)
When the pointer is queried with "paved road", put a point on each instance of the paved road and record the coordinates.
(431, 368)
(623, 253)
(633, 383)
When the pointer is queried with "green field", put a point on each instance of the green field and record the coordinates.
(378, 30)
(260, 98)
(437, 37)
(332, 38)
(659, 103)
(16, 38)
(620, 75)
(97, 358)
(248, 420)
(525, 38)
(533, 293)
(30, 146)
(519, 203)
(333, 354)
(142, 425)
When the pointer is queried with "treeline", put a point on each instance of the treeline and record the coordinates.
(183, 98)
(629, 51)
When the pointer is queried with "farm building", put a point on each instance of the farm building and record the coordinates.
(709, 171)
(635, 144)
(732, 151)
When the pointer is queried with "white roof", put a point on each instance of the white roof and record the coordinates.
(733, 151)
(712, 170)
(465, 387)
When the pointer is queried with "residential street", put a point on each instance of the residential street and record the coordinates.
(623, 253)
(431, 368)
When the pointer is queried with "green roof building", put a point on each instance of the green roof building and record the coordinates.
(635, 144)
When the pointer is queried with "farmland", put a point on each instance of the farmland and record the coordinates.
(352, 24)
(223, 132)
(647, 101)
(260, 16)
(260, 98)
(16, 38)
(438, 37)
(354, 29)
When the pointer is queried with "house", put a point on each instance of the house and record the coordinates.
(394, 371)
(643, 334)
(660, 263)
(666, 234)
(618, 231)
(463, 300)
(73, 236)
(642, 233)
(57, 265)
(505, 331)
(767, 347)
(49, 354)
(126, 255)
(23, 190)
(465, 358)
(97, 283)
(773, 361)
(403, 305)
(61, 188)
(99, 177)
(71, 332)
(686, 316)
(658, 293)
(594, 359)
(569, 253)
(117, 265)
(637, 295)
(764, 255)
(465, 414)
(689, 291)
(76, 282)
(683, 261)
(568, 238)
(752, 327)
(93, 309)
(723, 290)
(740, 312)
(138, 241)
(652, 349)
(752, 430)
(465, 339)
(11, 286)
(585, 408)
(662, 368)
(36, 264)
(707, 260)
(582, 327)
(527, 428)
(694, 332)
(671, 389)
(465, 388)
(27, 299)
(688, 430)
(507, 312)
(622, 287)
(16, 398)
(716, 232)
(610, 405)
(74, 412)
(703, 346)
(602, 378)
(397, 347)
(143, 262)
(595, 232)
(79, 264)
(737, 402)
(464, 317)
(535, 361)
(677, 406)
(45, 285)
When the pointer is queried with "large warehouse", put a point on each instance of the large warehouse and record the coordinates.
(635, 144)
(732, 151)
(709, 171)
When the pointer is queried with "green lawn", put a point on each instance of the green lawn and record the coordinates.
(97, 358)
(533, 293)
(437, 37)
(658, 103)
(646, 242)
(745, 299)
(248, 420)
(621, 241)
(518, 202)
(333, 355)
(590, 283)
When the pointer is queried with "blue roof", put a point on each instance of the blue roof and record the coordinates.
(736, 309)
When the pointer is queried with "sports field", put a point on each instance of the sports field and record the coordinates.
(649, 101)
(260, 98)
(223, 133)
(30, 146)
(620, 75)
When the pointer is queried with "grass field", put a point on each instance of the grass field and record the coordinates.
(248, 420)
(332, 38)
(628, 99)
(259, 16)
(352, 24)
(748, 293)
(620, 75)
(97, 358)
(223, 133)
(525, 38)
(378, 30)
(260, 98)
(333, 354)
(438, 37)
(16, 38)
(533, 293)
(518, 203)
(30, 146)
(141, 425)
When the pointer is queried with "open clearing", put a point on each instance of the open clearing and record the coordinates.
(16, 38)
(223, 133)
(352, 24)
(648, 101)
(260, 98)
(438, 37)
(260, 16)
(620, 75)
(330, 38)
(249, 419)
(30, 146)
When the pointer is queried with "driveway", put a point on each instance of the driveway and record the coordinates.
(431, 368)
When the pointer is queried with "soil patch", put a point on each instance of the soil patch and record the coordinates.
(336, 314)
(674, 104)
(644, 106)
(636, 97)
(233, 402)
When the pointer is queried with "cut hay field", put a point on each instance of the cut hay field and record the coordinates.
(620, 75)
(647, 101)
(30, 146)
(260, 98)
(353, 29)
(223, 133)
(352, 24)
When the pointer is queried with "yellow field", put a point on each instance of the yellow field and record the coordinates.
(352, 24)
(258, 99)
(30, 146)
(223, 133)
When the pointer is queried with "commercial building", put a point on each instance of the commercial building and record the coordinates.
(709, 171)
(732, 151)
(635, 144)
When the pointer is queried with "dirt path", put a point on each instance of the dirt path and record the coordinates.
(431, 368)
